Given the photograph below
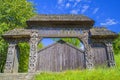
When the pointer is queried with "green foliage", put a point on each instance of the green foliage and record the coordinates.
(40, 45)
(23, 56)
(116, 45)
(74, 41)
(117, 60)
(3, 46)
(3, 52)
(13, 14)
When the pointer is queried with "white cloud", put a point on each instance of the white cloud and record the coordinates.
(75, 4)
(71, 0)
(60, 4)
(109, 22)
(78, 0)
(74, 12)
(85, 7)
(67, 5)
(60, 1)
(89, 1)
(95, 10)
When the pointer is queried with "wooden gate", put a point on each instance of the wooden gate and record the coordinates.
(100, 55)
(60, 56)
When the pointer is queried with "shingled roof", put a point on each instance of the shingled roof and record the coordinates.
(17, 33)
(60, 19)
(102, 32)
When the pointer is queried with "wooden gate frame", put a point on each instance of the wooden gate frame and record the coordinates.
(36, 37)
(34, 34)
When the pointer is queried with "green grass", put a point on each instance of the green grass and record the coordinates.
(117, 60)
(95, 74)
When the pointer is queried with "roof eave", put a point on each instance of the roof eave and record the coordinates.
(104, 36)
(15, 36)
(39, 23)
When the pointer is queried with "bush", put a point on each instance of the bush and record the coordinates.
(23, 57)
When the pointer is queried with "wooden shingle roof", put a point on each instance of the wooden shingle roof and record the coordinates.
(102, 32)
(17, 33)
(60, 19)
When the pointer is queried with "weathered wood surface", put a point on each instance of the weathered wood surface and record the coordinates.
(100, 55)
(11, 65)
(111, 60)
(60, 32)
(33, 52)
(59, 57)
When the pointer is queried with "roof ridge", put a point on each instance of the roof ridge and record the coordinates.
(96, 27)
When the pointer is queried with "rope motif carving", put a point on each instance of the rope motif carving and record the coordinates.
(110, 54)
(58, 31)
(10, 59)
(88, 56)
(33, 51)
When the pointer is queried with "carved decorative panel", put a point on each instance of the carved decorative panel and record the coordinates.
(10, 59)
(88, 56)
(110, 52)
(33, 51)
(60, 32)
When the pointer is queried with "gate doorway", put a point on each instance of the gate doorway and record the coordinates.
(60, 56)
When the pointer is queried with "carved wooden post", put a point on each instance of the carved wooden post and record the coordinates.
(88, 57)
(11, 65)
(16, 60)
(33, 51)
(110, 53)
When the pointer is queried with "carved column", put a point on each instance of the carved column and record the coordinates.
(16, 60)
(88, 57)
(33, 51)
(110, 54)
(11, 65)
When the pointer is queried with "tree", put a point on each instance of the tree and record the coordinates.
(74, 41)
(13, 14)
(116, 45)
(40, 45)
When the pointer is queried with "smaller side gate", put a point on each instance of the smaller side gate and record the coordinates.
(99, 52)
(60, 56)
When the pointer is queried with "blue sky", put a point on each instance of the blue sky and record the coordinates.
(105, 12)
